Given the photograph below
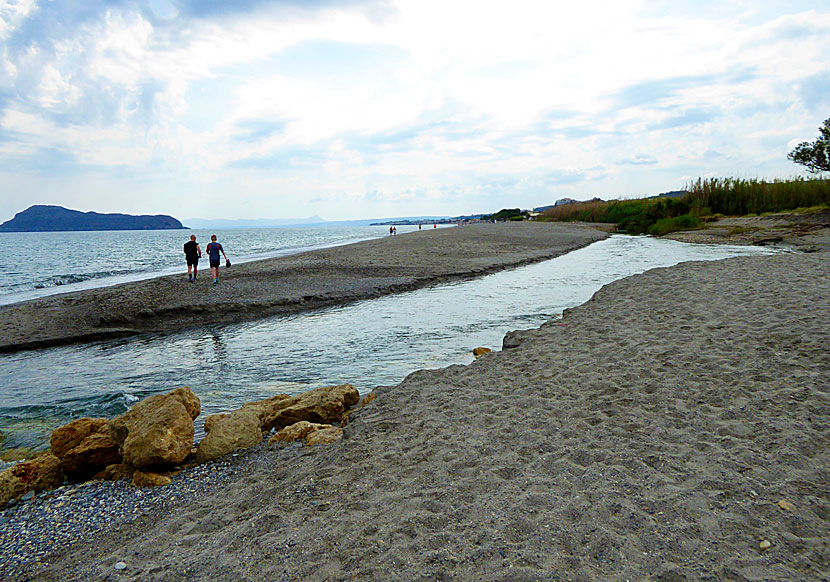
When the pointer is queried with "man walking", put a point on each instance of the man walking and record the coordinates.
(192, 253)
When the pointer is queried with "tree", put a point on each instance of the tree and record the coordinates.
(815, 156)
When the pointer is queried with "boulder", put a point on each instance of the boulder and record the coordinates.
(478, 352)
(38, 474)
(148, 479)
(158, 430)
(238, 430)
(295, 432)
(322, 405)
(116, 472)
(313, 433)
(324, 436)
(212, 419)
(265, 407)
(84, 446)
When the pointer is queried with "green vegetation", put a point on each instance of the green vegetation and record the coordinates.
(662, 215)
(815, 156)
(507, 214)
(736, 196)
(705, 198)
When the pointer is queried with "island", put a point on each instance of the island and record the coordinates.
(47, 218)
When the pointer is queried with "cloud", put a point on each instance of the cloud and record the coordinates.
(688, 117)
(815, 91)
(428, 103)
(639, 160)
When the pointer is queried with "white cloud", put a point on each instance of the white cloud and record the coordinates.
(423, 105)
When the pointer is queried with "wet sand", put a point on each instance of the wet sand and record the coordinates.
(661, 431)
(286, 285)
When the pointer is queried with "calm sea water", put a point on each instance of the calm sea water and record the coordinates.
(369, 343)
(42, 263)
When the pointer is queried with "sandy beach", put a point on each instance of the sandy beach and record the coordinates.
(287, 285)
(673, 428)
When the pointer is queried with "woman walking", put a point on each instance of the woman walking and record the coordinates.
(213, 249)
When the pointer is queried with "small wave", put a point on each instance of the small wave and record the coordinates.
(39, 286)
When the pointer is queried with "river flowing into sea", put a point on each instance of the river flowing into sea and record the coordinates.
(368, 344)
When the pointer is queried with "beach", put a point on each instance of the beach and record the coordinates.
(286, 285)
(674, 427)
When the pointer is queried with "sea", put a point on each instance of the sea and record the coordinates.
(371, 343)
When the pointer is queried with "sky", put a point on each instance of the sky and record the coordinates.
(350, 109)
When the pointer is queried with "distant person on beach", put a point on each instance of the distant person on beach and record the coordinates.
(213, 249)
(192, 254)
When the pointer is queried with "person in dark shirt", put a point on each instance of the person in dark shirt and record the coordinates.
(192, 253)
(213, 249)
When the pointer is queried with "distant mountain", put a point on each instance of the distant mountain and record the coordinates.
(43, 218)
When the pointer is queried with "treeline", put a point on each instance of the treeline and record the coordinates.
(705, 198)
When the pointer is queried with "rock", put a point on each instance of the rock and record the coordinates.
(264, 407)
(295, 432)
(84, 446)
(116, 472)
(512, 339)
(478, 352)
(120, 566)
(237, 430)
(313, 433)
(324, 436)
(786, 505)
(368, 398)
(157, 430)
(212, 419)
(39, 474)
(323, 405)
(147, 479)
(765, 545)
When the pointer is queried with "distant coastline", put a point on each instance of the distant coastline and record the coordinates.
(46, 218)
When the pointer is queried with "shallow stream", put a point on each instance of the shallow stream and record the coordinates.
(370, 343)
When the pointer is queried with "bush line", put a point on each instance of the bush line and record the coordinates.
(704, 198)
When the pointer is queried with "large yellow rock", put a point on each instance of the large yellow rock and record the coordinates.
(38, 474)
(229, 432)
(313, 433)
(84, 446)
(147, 479)
(322, 405)
(324, 436)
(213, 419)
(158, 430)
(295, 432)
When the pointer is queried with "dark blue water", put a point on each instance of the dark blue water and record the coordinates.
(370, 343)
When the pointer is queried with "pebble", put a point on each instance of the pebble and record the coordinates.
(786, 505)
(52, 521)
(120, 566)
(765, 545)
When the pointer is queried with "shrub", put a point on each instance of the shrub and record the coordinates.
(667, 225)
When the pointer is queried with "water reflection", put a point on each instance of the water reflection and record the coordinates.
(367, 344)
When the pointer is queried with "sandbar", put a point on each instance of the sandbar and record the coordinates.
(286, 285)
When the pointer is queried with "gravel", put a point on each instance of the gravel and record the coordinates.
(49, 523)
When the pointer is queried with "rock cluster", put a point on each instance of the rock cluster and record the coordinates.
(154, 437)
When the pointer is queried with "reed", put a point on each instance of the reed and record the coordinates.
(739, 196)
(705, 198)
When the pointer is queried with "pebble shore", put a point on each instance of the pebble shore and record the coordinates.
(53, 521)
